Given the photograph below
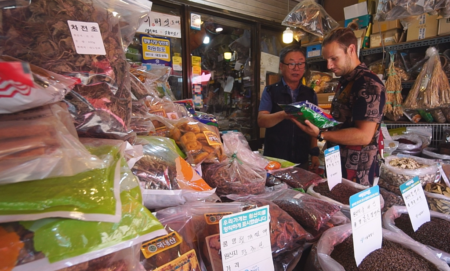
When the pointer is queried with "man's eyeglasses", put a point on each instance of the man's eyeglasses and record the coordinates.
(292, 65)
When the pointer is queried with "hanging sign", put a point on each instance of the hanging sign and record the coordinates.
(161, 24)
(196, 21)
(155, 49)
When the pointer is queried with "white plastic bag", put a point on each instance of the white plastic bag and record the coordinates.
(412, 137)
(396, 211)
(345, 209)
(337, 235)
(396, 176)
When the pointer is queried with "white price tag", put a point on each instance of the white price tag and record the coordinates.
(415, 202)
(245, 240)
(333, 166)
(366, 222)
(87, 38)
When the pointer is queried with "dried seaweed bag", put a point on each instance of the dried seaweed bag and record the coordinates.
(59, 36)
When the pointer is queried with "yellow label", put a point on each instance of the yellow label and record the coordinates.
(154, 48)
(214, 218)
(196, 61)
(196, 70)
(160, 244)
(186, 262)
(213, 138)
(177, 60)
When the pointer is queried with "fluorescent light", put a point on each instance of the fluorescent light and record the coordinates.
(219, 29)
(227, 55)
(206, 40)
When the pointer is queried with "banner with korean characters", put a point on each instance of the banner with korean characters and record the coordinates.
(161, 24)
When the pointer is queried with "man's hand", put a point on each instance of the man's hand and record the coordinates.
(314, 164)
(308, 127)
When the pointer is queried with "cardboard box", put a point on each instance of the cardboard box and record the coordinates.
(314, 50)
(390, 37)
(325, 98)
(444, 27)
(425, 27)
(378, 27)
(362, 21)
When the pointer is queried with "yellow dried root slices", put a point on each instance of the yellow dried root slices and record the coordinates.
(199, 141)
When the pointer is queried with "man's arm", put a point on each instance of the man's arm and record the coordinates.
(361, 134)
(267, 120)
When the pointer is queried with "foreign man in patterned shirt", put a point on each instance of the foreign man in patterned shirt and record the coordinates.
(358, 103)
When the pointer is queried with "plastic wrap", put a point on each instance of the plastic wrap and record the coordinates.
(392, 10)
(302, 111)
(165, 178)
(165, 108)
(396, 211)
(390, 146)
(199, 141)
(41, 143)
(345, 208)
(318, 81)
(395, 176)
(87, 240)
(431, 153)
(141, 122)
(296, 177)
(415, 142)
(22, 89)
(310, 17)
(310, 212)
(156, 80)
(283, 163)
(431, 89)
(231, 176)
(438, 116)
(438, 203)
(337, 235)
(104, 108)
(235, 143)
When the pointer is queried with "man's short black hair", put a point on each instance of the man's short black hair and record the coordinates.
(289, 49)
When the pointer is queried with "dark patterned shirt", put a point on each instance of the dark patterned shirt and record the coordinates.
(360, 96)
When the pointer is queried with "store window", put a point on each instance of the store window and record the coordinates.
(222, 73)
(163, 29)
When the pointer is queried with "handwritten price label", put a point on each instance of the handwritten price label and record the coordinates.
(333, 166)
(366, 222)
(415, 202)
(245, 240)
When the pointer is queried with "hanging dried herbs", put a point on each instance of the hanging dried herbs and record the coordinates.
(394, 93)
(40, 34)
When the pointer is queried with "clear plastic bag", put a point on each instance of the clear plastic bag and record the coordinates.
(395, 176)
(431, 89)
(104, 95)
(392, 10)
(432, 153)
(353, 188)
(396, 211)
(416, 142)
(231, 176)
(141, 122)
(390, 199)
(155, 80)
(318, 81)
(296, 177)
(438, 116)
(438, 203)
(310, 212)
(235, 143)
(41, 143)
(337, 235)
(310, 17)
(199, 141)
(165, 178)
(47, 88)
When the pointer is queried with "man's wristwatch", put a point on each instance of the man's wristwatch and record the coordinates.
(319, 136)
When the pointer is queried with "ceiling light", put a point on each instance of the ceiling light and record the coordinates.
(219, 29)
(288, 35)
(227, 55)
(206, 40)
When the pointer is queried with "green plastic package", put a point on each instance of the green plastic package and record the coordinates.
(92, 195)
(302, 111)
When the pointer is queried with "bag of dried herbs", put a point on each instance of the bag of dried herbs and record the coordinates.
(433, 234)
(335, 251)
(50, 34)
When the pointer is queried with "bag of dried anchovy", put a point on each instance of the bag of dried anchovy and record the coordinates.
(433, 234)
(47, 34)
